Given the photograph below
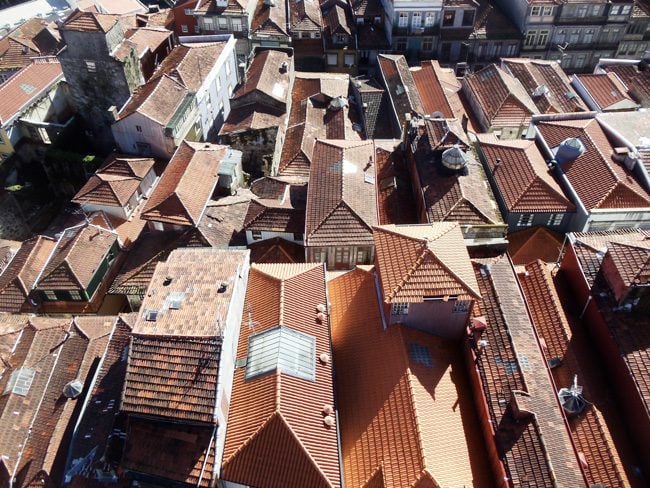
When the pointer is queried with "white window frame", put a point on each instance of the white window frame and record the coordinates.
(416, 20)
(332, 59)
(555, 219)
(236, 24)
(403, 19)
(429, 19)
(531, 38)
(547, 11)
(535, 11)
(542, 38)
(525, 220)
(184, 29)
(348, 60)
(91, 66)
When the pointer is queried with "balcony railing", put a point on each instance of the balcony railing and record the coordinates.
(416, 31)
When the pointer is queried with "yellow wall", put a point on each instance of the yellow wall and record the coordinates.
(6, 149)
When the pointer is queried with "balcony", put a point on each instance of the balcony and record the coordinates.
(601, 19)
(416, 31)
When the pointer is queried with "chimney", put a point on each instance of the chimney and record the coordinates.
(112, 113)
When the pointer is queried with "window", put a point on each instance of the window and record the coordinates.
(50, 296)
(319, 256)
(554, 219)
(236, 24)
(448, 18)
(341, 256)
(420, 354)
(315, 35)
(429, 19)
(184, 29)
(560, 36)
(542, 39)
(416, 20)
(188, 11)
(20, 381)
(581, 60)
(332, 60)
(511, 50)
(257, 235)
(138, 128)
(223, 23)
(362, 256)
(468, 17)
(581, 10)
(574, 37)
(531, 36)
(535, 11)
(282, 349)
(525, 220)
(208, 24)
(75, 295)
(400, 44)
(547, 11)
(91, 67)
(461, 306)
(197, 29)
(597, 10)
(349, 60)
(399, 309)
(588, 37)
(615, 10)
(626, 9)
(427, 44)
(403, 19)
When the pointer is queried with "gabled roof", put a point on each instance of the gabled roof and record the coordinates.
(20, 275)
(636, 81)
(115, 183)
(148, 38)
(395, 392)
(191, 63)
(522, 177)
(494, 92)
(159, 99)
(596, 177)
(27, 86)
(270, 19)
(286, 214)
(558, 97)
(266, 76)
(430, 89)
(76, 257)
(401, 86)
(433, 262)
(50, 353)
(341, 202)
(305, 15)
(222, 223)
(606, 90)
(89, 22)
(32, 38)
(186, 185)
(538, 242)
(210, 6)
(277, 419)
(590, 432)
(336, 20)
(276, 250)
(631, 262)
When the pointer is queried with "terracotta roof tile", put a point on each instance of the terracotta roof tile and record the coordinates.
(401, 86)
(158, 99)
(264, 75)
(186, 184)
(285, 215)
(269, 19)
(631, 262)
(77, 255)
(222, 223)
(190, 63)
(35, 37)
(430, 90)
(607, 91)
(589, 431)
(89, 21)
(202, 307)
(401, 433)
(522, 176)
(534, 243)
(535, 451)
(599, 181)
(536, 73)
(11, 328)
(418, 261)
(501, 97)
(305, 15)
(636, 81)
(250, 117)
(276, 250)
(115, 183)
(20, 275)
(395, 201)
(148, 38)
(277, 418)
(342, 200)
(29, 84)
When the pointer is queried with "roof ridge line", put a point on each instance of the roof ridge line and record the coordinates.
(476, 294)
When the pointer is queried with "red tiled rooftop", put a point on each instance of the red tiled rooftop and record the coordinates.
(431, 91)
(417, 261)
(534, 243)
(277, 418)
(186, 185)
(607, 91)
(522, 176)
(26, 86)
(597, 178)
(89, 22)
(401, 86)
(590, 432)
(403, 422)
(276, 250)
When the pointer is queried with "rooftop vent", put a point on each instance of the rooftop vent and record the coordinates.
(571, 398)
(540, 91)
(167, 281)
(151, 315)
(284, 67)
(328, 409)
(454, 158)
(328, 420)
(73, 389)
(569, 150)
(321, 308)
(223, 286)
(324, 358)
(338, 103)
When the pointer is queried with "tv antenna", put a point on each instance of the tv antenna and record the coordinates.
(251, 323)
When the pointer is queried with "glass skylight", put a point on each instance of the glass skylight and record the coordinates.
(287, 350)
(20, 381)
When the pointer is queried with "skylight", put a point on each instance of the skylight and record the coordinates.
(420, 354)
(20, 381)
(283, 349)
